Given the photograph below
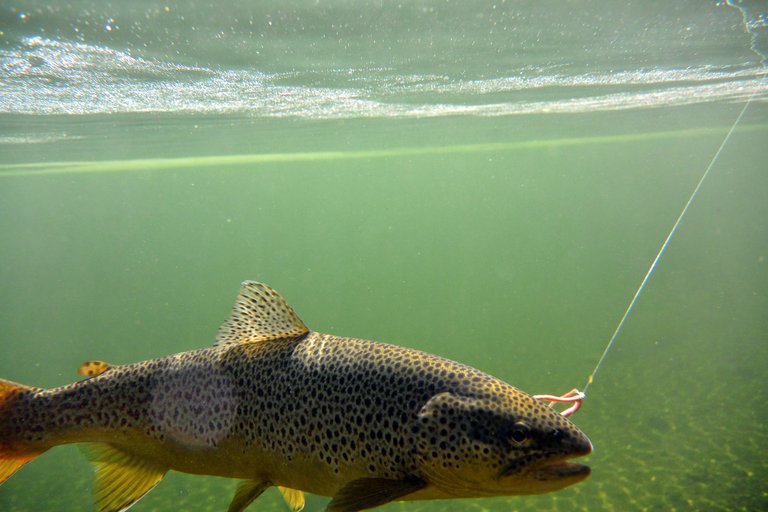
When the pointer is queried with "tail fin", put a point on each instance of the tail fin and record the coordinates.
(11, 456)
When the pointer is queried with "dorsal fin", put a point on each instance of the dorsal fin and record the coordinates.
(260, 314)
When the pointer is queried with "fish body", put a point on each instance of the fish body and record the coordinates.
(273, 403)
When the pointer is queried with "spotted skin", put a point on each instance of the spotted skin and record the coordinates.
(309, 411)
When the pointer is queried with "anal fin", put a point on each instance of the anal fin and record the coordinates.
(121, 478)
(245, 494)
(367, 493)
(293, 497)
(9, 466)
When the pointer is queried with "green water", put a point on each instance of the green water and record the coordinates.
(487, 184)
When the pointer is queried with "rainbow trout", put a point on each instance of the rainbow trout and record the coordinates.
(275, 404)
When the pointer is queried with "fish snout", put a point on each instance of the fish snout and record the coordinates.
(568, 440)
(578, 444)
(560, 471)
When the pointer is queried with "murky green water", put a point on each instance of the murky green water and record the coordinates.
(484, 181)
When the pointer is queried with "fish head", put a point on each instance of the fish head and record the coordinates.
(498, 444)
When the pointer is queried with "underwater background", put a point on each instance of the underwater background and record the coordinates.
(486, 181)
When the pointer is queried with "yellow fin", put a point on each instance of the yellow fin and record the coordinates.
(93, 368)
(245, 494)
(9, 466)
(260, 314)
(294, 498)
(121, 478)
(12, 456)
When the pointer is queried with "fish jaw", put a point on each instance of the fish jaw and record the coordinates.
(549, 477)
(551, 474)
(564, 473)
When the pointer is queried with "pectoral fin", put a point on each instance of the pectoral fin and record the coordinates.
(371, 492)
(121, 478)
(293, 497)
(245, 494)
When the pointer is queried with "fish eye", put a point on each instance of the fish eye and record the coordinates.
(520, 433)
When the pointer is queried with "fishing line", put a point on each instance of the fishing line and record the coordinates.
(616, 331)
(750, 22)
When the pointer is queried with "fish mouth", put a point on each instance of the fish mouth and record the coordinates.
(552, 470)
(561, 470)
(556, 471)
(547, 476)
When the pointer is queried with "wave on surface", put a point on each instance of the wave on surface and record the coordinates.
(43, 76)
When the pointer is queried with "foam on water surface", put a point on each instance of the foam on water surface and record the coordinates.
(45, 76)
